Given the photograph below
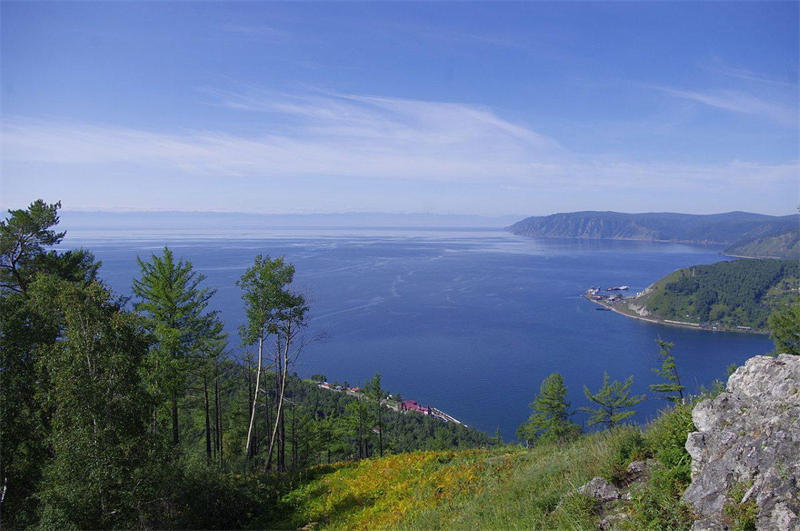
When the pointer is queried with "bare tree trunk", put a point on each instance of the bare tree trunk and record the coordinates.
(268, 423)
(271, 448)
(294, 439)
(255, 396)
(282, 442)
(279, 411)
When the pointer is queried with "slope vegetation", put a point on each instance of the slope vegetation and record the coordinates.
(740, 293)
(505, 488)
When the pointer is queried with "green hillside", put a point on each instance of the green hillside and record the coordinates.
(740, 293)
(503, 488)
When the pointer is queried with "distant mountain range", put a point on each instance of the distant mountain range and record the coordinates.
(743, 233)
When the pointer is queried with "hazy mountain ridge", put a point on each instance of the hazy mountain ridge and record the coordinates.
(122, 220)
(742, 231)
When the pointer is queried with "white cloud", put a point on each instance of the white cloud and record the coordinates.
(327, 135)
(332, 138)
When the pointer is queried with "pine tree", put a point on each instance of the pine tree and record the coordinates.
(550, 417)
(176, 311)
(358, 419)
(669, 372)
(613, 398)
(376, 393)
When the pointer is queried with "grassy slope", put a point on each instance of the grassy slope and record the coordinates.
(500, 488)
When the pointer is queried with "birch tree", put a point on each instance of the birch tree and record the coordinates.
(273, 310)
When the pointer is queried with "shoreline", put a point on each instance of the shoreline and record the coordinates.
(390, 404)
(668, 322)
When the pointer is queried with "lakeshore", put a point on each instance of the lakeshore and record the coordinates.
(621, 305)
(400, 406)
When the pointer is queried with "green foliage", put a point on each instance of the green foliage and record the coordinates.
(658, 505)
(99, 411)
(376, 393)
(23, 237)
(742, 513)
(175, 309)
(267, 299)
(550, 417)
(669, 372)
(613, 398)
(666, 437)
(25, 328)
(628, 445)
(784, 326)
(725, 294)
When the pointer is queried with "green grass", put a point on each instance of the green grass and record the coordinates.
(503, 488)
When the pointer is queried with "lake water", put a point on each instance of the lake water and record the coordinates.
(469, 321)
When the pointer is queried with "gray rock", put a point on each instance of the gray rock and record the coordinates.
(710, 524)
(638, 471)
(750, 433)
(600, 489)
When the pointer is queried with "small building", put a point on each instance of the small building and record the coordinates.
(413, 405)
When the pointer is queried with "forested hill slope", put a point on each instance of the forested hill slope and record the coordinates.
(782, 245)
(732, 228)
(725, 294)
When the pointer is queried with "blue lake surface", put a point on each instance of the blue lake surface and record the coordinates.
(469, 321)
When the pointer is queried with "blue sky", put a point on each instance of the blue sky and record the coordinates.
(471, 108)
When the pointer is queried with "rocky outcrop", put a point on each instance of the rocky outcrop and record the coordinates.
(748, 441)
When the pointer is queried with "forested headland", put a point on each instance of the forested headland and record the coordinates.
(739, 294)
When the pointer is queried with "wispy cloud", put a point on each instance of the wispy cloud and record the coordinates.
(740, 102)
(719, 67)
(326, 137)
(321, 135)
